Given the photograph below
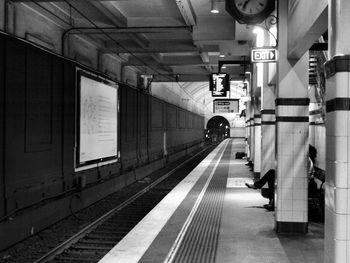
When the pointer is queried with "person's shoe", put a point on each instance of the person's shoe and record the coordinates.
(252, 186)
(270, 207)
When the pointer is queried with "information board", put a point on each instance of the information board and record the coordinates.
(226, 106)
(98, 120)
(219, 84)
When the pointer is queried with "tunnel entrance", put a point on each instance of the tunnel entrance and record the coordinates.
(218, 128)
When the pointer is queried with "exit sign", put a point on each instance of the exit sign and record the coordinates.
(261, 55)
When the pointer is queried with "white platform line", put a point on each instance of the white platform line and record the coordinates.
(189, 219)
(132, 247)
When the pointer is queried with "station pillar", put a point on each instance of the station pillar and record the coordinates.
(313, 114)
(251, 130)
(268, 122)
(337, 185)
(257, 144)
(268, 117)
(292, 132)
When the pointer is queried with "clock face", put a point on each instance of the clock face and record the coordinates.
(250, 7)
(250, 11)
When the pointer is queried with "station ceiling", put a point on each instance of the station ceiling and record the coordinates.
(165, 38)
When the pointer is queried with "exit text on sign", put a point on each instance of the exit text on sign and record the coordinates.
(264, 55)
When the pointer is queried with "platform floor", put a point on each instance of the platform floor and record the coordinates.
(212, 217)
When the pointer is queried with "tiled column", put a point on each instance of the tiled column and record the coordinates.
(268, 119)
(247, 136)
(337, 186)
(257, 145)
(313, 111)
(268, 125)
(268, 122)
(292, 148)
(252, 134)
(248, 131)
(292, 131)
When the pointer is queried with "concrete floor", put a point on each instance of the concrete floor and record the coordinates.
(246, 229)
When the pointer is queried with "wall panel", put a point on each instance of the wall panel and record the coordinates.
(171, 117)
(157, 114)
(38, 102)
(181, 119)
(33, 154)
(128, 120)
(2, 148)
(68, 122)
(142, 139)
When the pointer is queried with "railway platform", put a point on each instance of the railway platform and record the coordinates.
(212, 217)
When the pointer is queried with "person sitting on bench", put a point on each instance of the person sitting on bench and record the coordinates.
(268, 178)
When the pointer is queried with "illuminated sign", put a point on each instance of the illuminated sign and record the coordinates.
(219, 84)
(263, 55)
(226, 106)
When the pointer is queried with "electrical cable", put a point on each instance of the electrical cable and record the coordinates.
(116, 42)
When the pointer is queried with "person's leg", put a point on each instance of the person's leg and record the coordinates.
(271, 184)
(267, 178)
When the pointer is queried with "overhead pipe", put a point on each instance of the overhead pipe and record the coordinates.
(135, 30)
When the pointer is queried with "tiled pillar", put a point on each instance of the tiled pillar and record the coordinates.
(292, 131)
(252, 134)
(257, 145)
(268, 122)
(247, 136)
(313, 111)
(292, 156)
(248, 131)
(337, 186)
(268, 125)
(268, 119)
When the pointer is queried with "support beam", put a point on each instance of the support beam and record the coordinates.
(187, 12)
(307, 22)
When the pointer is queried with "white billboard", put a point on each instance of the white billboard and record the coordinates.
(98, 120)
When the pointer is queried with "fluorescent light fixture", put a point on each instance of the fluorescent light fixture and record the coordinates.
(214, 6)
(223, 67)
(222, 56)
(260, 37)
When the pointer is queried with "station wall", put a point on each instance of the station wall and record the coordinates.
(37, 140)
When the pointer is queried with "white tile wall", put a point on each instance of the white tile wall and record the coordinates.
(329, 197)
(257, 147)
(334, 168)
(340, 226)
(341, 200)
(337, 186)
(336, 149)
(292, 166)
(337, 123)
(337, 86)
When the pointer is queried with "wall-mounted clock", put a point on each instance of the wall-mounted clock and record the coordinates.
(250, 11)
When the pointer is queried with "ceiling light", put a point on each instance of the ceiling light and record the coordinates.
(222, 56)
(223, 67)
(214, 6)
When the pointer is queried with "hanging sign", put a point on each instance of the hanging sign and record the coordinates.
(226, 106)
(263, 55)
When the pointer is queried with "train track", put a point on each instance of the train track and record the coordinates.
(96, 239)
